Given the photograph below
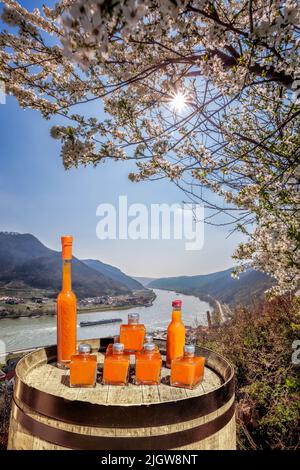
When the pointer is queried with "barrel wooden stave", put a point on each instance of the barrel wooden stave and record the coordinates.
(20, 437)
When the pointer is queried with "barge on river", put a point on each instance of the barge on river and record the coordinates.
(101, 322)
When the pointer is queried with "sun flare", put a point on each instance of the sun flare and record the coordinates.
(178, 101)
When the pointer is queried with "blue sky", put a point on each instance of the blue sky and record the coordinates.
(38, 196)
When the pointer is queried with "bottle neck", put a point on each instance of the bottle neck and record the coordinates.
(176, 315)
(67, 279)
(118, 353)
(188, 355)
(149, 353)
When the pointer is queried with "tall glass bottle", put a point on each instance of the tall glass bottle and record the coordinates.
(175, 334)
(66, 309)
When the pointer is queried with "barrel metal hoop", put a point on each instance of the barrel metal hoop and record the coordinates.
(134, 416)
(85, 442)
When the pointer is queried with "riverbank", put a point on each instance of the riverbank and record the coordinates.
(47, 307)
(204, 298)
(219, 313)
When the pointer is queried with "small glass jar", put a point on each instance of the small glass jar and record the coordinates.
(148, 366)
(187, 371)
(132, 335)
(116, 366)
(83, 367)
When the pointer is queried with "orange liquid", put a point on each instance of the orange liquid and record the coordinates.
(83, 370)
(66, 319)
(148, 368)
(116, 369)
(187, 372)
(132, 336)
(175, 337)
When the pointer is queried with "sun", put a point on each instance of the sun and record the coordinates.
(178, 101)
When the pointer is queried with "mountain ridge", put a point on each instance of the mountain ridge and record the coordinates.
(219, 286)
(24, 258)
(114, 273)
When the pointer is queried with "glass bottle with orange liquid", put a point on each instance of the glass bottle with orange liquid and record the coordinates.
(116, 366)
(66, 309)
(187, 371)
(132, 335)
(83, 367)
(148, 366)
(175, 334)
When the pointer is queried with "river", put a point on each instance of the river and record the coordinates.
(25, 333)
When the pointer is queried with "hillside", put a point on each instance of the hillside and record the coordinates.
(113, 273)
(220, 286)
(24, 258)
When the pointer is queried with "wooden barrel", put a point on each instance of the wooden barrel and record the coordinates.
(48, 414)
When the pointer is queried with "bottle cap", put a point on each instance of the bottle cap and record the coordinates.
(189, 349)
(149, 347)
(176, 303)
(133, 317)
(148, 339)
(118, 347)
(66, 243)
(85, 348)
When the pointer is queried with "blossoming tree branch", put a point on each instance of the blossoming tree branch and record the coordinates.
(205, 93)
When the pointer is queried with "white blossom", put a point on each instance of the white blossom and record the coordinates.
(237, 64)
